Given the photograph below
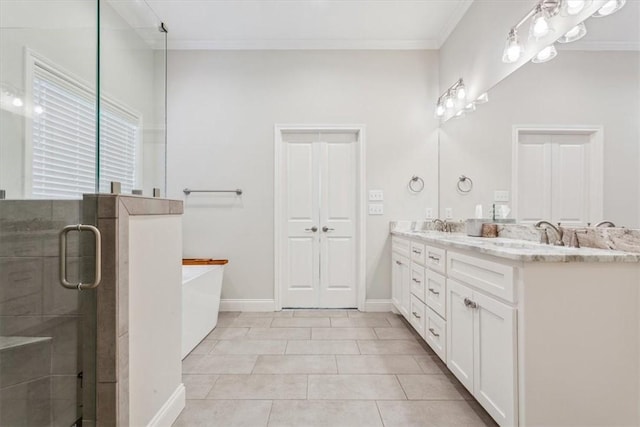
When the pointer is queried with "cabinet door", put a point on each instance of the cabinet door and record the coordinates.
(494, 383)
(396, 281)
(406, 289)
(460, 332)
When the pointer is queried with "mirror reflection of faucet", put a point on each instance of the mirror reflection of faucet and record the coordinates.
(545, 236)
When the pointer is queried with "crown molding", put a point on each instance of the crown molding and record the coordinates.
(303, 44)
(453, 21)
(600, 46)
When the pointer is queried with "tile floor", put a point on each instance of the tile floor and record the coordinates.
(325, 368)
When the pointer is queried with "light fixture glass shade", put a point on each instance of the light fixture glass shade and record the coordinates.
(460, 114)
(512, 49)
(461, 91)
(17, 102)
(483, 98)
(440, 110)
(449, 102)
(540, 24)
(609, 7)
(573, 7)
(576, 33)
(546, 54)
(470, 108)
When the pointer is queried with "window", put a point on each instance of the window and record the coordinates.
(63, 129)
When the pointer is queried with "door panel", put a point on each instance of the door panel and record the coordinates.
(460, 333)
(534, 177)
(301, 215)
(337, 219)
(570, 179)
(495, 355)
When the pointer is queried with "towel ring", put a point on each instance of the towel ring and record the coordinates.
(465, 184)
(416, 184)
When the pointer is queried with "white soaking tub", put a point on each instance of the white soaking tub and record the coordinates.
(201, 288)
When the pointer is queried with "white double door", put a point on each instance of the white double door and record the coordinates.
(319, 203)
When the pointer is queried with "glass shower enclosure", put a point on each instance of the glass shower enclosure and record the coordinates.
(82, 104)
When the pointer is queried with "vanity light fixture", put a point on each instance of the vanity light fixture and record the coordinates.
(457, 92)
(609, 7)
(38, 109)
(546, 54)
(540, 25)
(17, 102)
(576, 33)
(513, 49)
(470, 108)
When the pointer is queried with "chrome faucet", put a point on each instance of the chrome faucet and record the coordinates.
(558, 231)
(605, 223)
(440, 224)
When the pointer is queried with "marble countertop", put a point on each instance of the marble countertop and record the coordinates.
(519, 250)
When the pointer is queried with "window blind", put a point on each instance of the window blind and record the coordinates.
(64, 143)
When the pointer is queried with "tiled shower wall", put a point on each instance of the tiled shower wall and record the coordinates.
(39, 378)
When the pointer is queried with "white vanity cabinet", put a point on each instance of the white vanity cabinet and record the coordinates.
(401, 275)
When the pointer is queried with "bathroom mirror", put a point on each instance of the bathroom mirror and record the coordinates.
(557, 140)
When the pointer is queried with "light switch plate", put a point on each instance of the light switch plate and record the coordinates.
(448, 213)
(376, 195)
(501, 196)
(376, 209)
(428, 213)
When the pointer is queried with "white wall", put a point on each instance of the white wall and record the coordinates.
(576, 88)
(223, 106)
(156, 392)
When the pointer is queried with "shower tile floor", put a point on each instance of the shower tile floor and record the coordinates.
(325, 368)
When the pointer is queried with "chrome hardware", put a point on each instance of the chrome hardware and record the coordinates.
(416, 280)
(439, 224)
(63, 257)
(558, 231)
(398, 262)
(433, 332)
(434, 258)
(417, 252)
(188, 191)
(433, 291)
(326, 229)
(416, 184)
(470, 304)
(312, 229)
(415, 315)
(605, 223)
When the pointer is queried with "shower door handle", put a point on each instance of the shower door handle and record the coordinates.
(63, 257)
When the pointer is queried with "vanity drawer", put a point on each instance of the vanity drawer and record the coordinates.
(418, 281)
(435, 286)
(417, 315)
(400, 246)
(491, 277)
(435, 259)
(417, 252)
(435, 333)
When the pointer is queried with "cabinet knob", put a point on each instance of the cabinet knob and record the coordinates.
(327, 229)
(470, 304)
(311, 230)
(398, 262)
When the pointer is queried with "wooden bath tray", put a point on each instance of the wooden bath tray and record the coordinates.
(204, 261)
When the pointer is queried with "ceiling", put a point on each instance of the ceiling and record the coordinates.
(309, 24)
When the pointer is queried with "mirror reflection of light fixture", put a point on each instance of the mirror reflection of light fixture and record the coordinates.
(440, 109)
(461, 92)
(470, 108)
(449, 102)
(576, 33)
(38, 109)
(573, 7)
(540, 24)
(546, 54)
(609, 7)
(482, 99)
(512, 49)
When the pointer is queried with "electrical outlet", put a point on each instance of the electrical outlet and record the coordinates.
(376, 209)
(501, 196)
(376, 195)
(428, 213)
(448, 213)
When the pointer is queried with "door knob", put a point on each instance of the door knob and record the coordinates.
(312, 229)
(326, 229)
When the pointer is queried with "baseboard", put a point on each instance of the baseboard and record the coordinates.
(378, 305)
(247, 305)
(169, 412)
